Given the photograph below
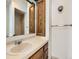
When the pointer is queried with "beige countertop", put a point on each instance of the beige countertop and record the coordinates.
(36, 43)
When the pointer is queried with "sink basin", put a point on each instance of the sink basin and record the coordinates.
(19, 49)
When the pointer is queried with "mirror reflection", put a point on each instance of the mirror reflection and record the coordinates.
(20, 18)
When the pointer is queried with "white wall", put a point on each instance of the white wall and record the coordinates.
(50, 30)
(11, 19)
(7, 20)
(27, 26)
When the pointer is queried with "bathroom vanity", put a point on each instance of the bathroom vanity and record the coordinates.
(31, 48)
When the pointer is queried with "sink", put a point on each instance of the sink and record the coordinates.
(19, 49)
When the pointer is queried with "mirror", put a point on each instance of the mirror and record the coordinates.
(20, 18)
(32, 19)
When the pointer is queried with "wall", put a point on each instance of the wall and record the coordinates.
(7, 16)
(27, 26)
(50, 30)
(7, 20)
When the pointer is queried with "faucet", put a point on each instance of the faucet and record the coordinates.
(17, 42)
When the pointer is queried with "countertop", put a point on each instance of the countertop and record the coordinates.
(37, 42)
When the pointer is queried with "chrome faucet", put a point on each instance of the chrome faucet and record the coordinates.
(17, 42)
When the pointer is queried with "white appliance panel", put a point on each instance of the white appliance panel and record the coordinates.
(61, 42)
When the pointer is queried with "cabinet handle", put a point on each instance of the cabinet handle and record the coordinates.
(62, 25)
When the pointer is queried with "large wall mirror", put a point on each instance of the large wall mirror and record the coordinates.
(32, 18)
(20, 18)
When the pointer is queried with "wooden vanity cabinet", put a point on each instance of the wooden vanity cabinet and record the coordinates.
(38, 54)
(41, 53)
(45, 51)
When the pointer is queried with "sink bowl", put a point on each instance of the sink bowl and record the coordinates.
(19, 49)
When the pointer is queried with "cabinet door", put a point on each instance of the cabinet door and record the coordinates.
(46, 54)
(38, 55)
